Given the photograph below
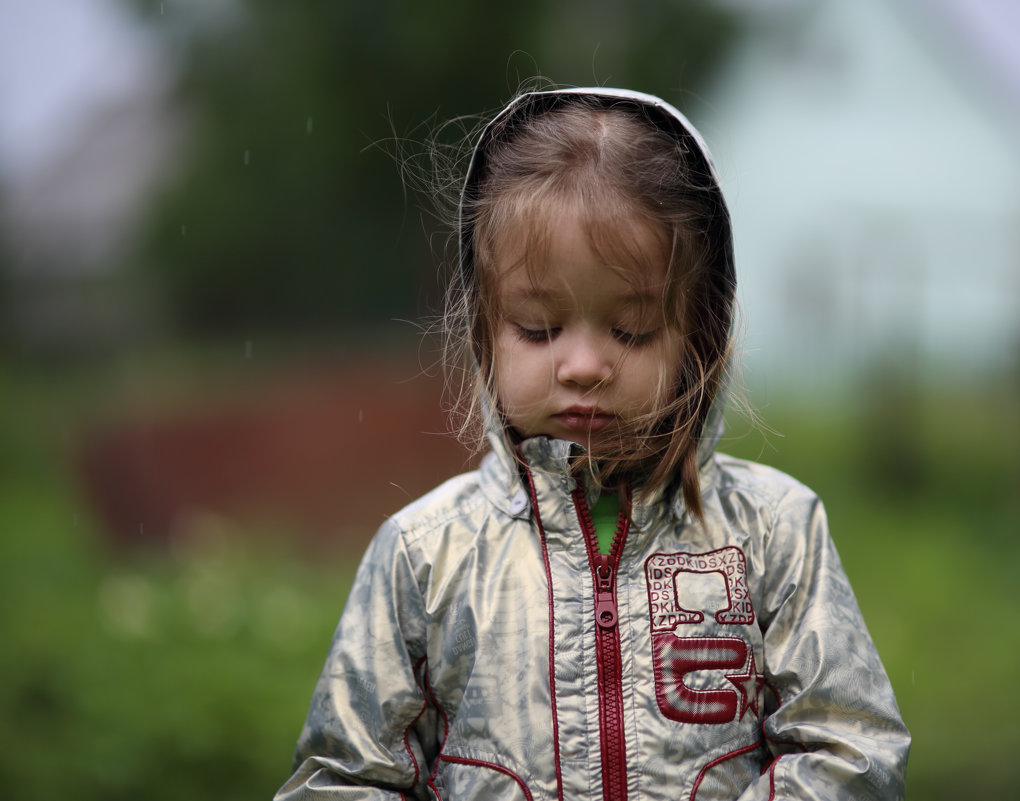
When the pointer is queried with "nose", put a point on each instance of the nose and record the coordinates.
(582, 360)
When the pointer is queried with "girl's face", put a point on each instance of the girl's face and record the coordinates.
(582, 346)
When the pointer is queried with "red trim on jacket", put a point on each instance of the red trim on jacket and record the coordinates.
(407, 731)
(446, 731)
(492, 766)
(552, 639)
(720, 760)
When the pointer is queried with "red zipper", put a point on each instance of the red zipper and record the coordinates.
(607, 648)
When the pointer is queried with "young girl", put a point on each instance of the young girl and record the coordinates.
(606, 608)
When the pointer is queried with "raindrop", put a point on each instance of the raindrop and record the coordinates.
(248, 348)
(308, 126)
(184, 230)
(361, 415)
(247, 157)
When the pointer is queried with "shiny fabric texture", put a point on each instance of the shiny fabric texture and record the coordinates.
(464, 664)
(468, 663)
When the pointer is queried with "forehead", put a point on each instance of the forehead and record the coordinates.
(546, 251)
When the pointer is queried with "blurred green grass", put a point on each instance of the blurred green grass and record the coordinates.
(142, 674)
(187, 672)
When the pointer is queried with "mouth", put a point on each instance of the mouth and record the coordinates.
(584, 418)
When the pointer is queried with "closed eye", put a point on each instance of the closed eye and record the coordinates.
(635, 340)
(536, 334)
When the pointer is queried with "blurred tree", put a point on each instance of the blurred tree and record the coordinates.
(6, 300)
(282, 215)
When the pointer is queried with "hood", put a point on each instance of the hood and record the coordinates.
(670, 120)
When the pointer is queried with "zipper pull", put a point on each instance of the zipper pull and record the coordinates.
(606, 613)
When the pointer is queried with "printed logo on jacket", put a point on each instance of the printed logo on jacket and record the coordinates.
(677, 657)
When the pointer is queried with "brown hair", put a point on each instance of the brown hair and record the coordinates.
(616, 162)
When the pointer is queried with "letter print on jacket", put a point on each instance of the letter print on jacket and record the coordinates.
(676, 657)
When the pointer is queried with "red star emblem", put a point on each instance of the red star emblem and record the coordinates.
(749, 683)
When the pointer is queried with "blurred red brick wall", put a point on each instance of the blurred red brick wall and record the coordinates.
(325, 455)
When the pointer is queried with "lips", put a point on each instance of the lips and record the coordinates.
(584, 418)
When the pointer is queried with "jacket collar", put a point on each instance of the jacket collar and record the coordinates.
(547, 462)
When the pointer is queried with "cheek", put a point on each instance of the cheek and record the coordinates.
(503, 361)
(513, 372)
(661, 371)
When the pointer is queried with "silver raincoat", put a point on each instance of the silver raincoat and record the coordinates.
(488, 651)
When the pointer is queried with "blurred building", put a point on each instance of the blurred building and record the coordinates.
(87, 129)
(871, 156)
(69, 222)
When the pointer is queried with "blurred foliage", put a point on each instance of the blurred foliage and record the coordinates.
(6, 284)
(127, 675)
(284, 210)
(186, 673)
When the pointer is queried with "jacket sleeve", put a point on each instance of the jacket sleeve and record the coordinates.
(834, 730)
(369, 731)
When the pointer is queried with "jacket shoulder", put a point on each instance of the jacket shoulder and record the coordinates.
(764, 485)
(455, 498)
(770, 504)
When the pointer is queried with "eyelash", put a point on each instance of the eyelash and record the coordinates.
(536, 334)
(540, 335)
(635, 340)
